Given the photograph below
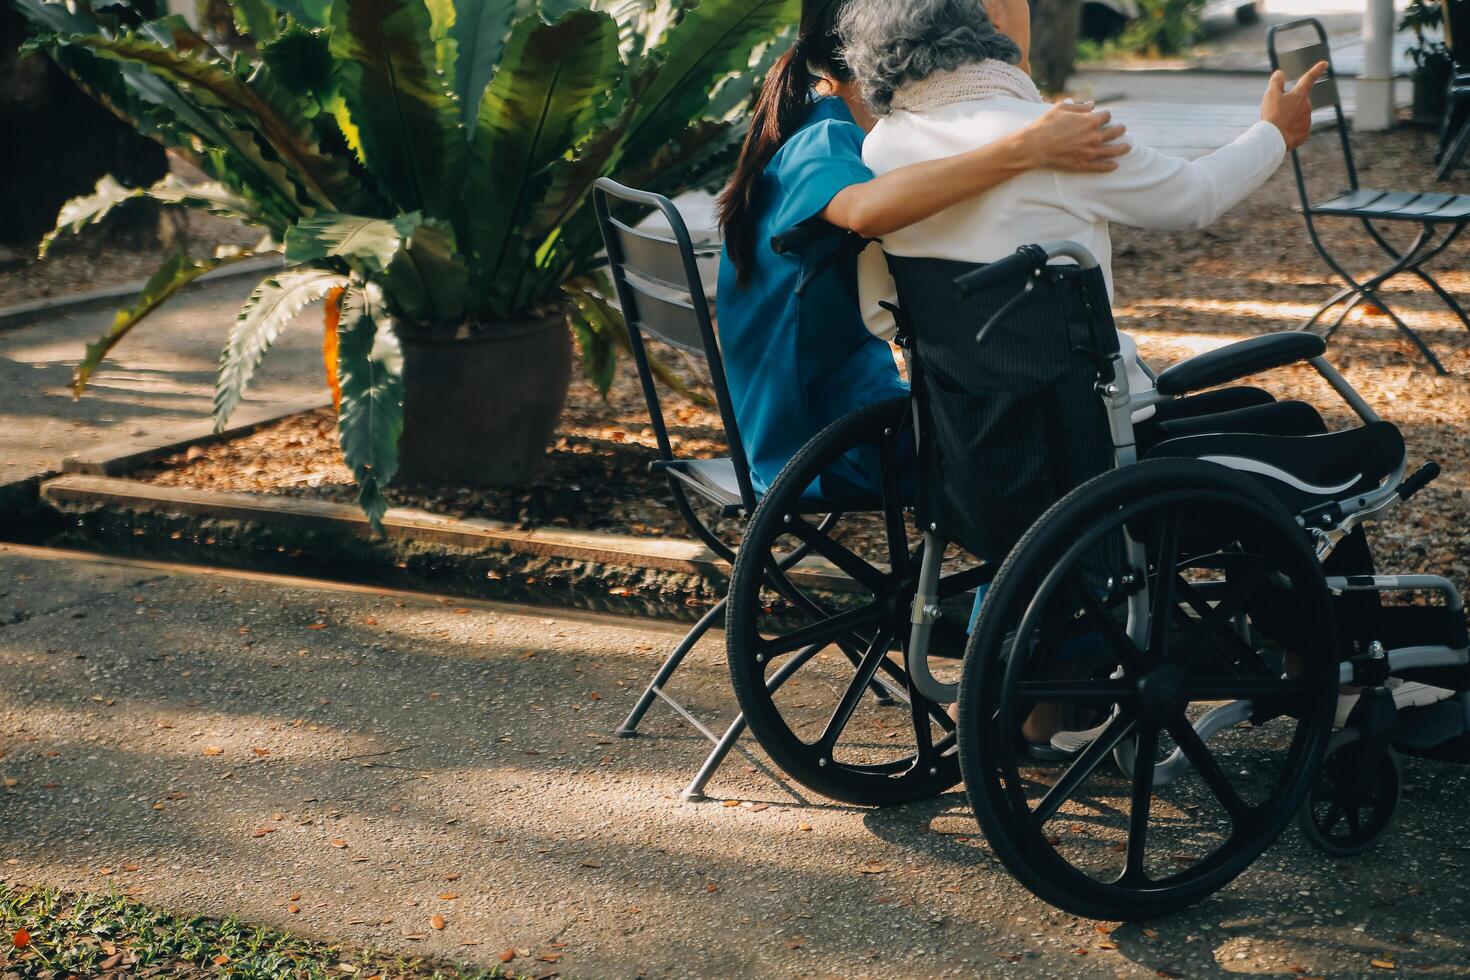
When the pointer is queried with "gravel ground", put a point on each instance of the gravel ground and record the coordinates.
(1180, 294)
(348, 764)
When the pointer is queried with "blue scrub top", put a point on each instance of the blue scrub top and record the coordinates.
(794, 366)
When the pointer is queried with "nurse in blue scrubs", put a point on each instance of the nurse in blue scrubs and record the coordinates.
(795, 365)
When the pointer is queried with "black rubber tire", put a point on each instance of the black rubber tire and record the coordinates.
(743, 641)
(1340, 761)
(989, 768)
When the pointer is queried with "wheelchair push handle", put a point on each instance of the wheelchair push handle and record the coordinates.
(803, 235)
(1422, 477)
(809, 233)
(1027, 260)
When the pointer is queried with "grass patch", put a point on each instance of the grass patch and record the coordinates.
(48, 933)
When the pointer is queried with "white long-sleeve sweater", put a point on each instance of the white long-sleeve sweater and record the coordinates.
(1148, 190)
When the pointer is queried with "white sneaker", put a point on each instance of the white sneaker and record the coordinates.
(1406, 694)
(1074, 742)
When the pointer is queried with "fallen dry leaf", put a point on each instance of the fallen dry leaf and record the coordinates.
(1382, 964)
(293, 909)
(338, 842)
(872, 866)
(712, 888)
(804, 826)
(449, 896)
(731, 803)
(507, 956)
(213, 750)
(260, 751)
(437, 921)
(21, 939)
(590, 863)
(221, 960)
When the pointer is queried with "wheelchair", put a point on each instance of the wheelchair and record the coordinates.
(1179, 587)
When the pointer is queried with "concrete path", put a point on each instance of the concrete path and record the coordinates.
(347, 764)
(160, 376)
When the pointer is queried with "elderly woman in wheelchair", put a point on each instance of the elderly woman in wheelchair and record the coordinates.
(1194, 579)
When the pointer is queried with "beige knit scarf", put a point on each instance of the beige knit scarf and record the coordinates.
(967, 83)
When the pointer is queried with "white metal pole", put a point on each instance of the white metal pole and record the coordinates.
(1375, 108)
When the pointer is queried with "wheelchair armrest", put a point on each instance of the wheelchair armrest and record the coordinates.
(1240, 360)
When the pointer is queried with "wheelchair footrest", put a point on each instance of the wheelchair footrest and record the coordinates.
(1438, 731)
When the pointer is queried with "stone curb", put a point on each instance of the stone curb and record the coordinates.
(122, 456)
(23, 314)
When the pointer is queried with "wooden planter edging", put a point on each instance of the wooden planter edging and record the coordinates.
(668, 578)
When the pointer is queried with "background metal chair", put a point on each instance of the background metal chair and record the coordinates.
(1454, 129)
(659, 287)
(1440, 217)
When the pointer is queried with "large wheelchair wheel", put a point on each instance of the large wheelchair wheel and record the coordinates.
(816, 655)
(1163, 563)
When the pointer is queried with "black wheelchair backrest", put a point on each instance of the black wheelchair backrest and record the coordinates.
(1016, 423)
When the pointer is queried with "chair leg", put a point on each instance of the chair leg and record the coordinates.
(1408, 261)
(630, 726)
(1451, 160)
(694, 792)
(1452, 114)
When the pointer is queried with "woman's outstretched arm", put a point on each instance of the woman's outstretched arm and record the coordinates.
(1069, 137)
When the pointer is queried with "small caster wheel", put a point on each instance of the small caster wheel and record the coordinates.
(1340, 819)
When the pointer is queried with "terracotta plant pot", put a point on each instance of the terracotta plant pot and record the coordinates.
(480, 407)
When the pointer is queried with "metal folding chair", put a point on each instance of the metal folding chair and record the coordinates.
(1440, 217)
(662, 295)
(1455, 126)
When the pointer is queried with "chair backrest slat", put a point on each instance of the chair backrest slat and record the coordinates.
(651, 257)
(656, 275)
(670, 318)
(1295, 63)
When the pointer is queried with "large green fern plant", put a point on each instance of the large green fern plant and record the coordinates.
(423, 161)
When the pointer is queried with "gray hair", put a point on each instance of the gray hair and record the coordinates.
(888, 43)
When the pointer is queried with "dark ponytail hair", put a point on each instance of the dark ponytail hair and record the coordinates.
(785, 100)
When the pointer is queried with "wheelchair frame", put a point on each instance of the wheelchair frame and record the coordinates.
(1338, 520)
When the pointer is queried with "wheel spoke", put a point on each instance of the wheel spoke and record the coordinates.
(1225, 645)
(1334, 814)
(1092, 756)
(850, 564)
(936, 713)
(877, 651)
(1234, 651)
(1077, 692)
(1138, 811)
(893, 522)
(966, 581)
(1199, 756)
(1117, 638)
(827, 631)
(1166, 571)
(1217, 621)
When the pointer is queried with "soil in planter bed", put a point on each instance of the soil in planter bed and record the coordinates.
(1179, 294)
